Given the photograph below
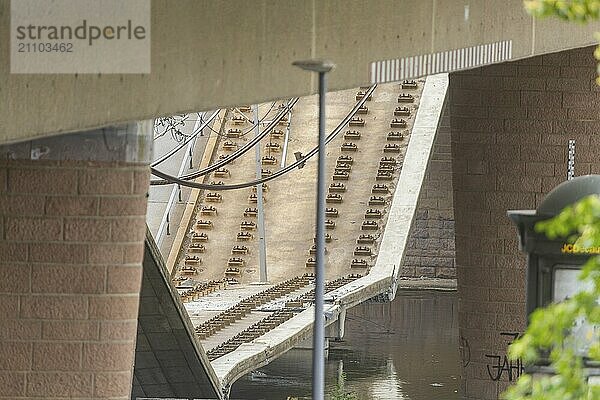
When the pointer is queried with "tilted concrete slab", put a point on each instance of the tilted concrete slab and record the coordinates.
(289, 207)
(208, 54)
(169, 360)
(382, 279)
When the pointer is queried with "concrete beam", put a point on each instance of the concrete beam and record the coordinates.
(131, 142)
(169, 359)
(203, 52)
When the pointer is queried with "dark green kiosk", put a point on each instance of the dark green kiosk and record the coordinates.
(553, 265)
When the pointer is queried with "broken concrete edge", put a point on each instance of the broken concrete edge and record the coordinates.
(428, 283)
(273, 344)
(383, 276)
(266, 348)
(185, 319)
(405, 201)
(186, 220)
(441, 284)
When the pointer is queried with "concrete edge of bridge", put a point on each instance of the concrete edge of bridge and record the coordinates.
(441, 284)
(188, 213)
(169, 302)
(405, 201)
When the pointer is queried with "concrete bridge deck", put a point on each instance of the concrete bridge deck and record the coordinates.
(289, 201)
(287, 255)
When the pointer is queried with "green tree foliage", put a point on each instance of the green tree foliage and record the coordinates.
(570, 10)
(581, 11)
(339, 392)
(549, 327)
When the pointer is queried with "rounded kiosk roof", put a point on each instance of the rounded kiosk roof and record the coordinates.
(569, 192)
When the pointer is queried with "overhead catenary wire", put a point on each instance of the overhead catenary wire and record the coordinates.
(210, 128)
(234, 155)
(260, 120)
(169, 179)
(254, 124)
(248, 146)
(186, 141)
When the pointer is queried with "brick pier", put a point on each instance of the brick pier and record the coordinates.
(510, 124)
(71, 248)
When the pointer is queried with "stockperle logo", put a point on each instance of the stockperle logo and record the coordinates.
(80, 36)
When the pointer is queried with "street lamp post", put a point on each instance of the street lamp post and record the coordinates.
(262, 246)
(318, 362)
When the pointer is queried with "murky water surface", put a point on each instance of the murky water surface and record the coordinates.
(407, 349)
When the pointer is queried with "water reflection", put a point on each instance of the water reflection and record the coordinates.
(389, 386)
(407, 349)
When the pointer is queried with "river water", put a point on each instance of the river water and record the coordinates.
(406, 349)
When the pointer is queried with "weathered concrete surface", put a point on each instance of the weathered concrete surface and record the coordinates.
(382, 277)
(169, 360)
(431, 244)
(204, 58)
(290, 201)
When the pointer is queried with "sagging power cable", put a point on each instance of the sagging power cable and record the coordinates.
(169, 179)
(241, 151)
(186, 141)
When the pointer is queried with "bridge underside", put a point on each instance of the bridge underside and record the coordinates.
(169, 362)
(203, 58)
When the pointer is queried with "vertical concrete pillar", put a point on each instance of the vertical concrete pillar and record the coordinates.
(337, 330)
(510, 126)
(430, 249)
(72, 226)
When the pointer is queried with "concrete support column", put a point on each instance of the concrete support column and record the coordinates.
(337, 330)
(430, 248)
(72, 226)
(510, 125)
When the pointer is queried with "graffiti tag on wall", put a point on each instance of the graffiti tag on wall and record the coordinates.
(499, 365)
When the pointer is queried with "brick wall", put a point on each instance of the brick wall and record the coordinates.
(71, 247)
(430, 251)
(510, 128)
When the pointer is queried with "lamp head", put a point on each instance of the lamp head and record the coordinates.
(315, 65)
